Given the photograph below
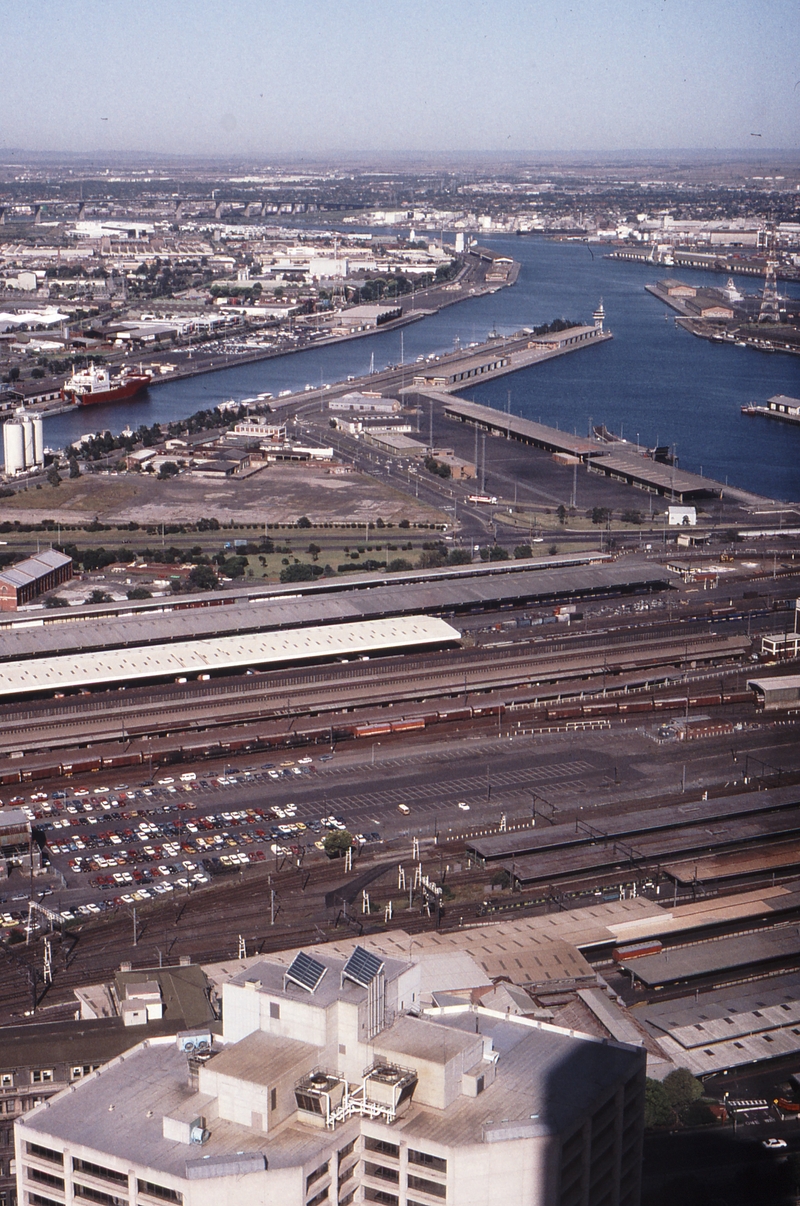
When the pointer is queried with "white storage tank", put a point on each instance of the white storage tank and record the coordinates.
(27, 430)
(13, 447)
(38, 441)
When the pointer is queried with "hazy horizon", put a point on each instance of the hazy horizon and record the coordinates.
(300, 78)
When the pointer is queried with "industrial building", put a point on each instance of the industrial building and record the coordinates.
(332, 1085)
(266, 650)
(449, 592)
(781, 691)
(17, 849)
(21, 583)
(23, 443)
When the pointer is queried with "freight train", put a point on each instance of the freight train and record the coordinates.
(182, 748)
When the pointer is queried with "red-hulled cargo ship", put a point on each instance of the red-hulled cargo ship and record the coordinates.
(92, 385)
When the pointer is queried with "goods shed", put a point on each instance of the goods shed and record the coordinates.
(445, 596)
(779, 691)
(264, 649)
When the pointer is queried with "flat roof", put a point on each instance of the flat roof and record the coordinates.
(531, 841)
(261, 1058)
(321, 588)
(257, 614)
(665, 478)
(222, 653)
(719, 955)
(527, 430)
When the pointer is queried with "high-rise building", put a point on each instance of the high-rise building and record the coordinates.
(334, 1085)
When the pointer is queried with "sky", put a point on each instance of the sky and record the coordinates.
(310, 77)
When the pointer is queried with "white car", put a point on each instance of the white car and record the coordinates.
(462, 804)
(404, 809)
(774, 1145)
(189, 777)
(165, 782)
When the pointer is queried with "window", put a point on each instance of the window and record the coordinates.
(44, 1153)
(347, 1199)
(42, 1076)
(159, 1191)
(342, 1049)
(380, 1195)
(36, 1199)
(81, 1070)
(45, 1178)
(322, 1196)
(316, 1174)
(380, 1145)
(378, 1170)
(346, 1150)
(6, 1080)
(431, 1187)
(96, 1195)
(273, 1099)
(433, 1162)
(274, 1009)
(97, 1170)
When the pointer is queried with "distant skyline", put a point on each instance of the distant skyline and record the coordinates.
(255, 78)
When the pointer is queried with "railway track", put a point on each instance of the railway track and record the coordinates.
(337, 688)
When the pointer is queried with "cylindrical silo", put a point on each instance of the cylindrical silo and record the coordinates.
(38, 441)
(27, 431)
(13, 447)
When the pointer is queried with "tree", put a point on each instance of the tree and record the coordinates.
(632, 517)
(459, 557)
(304, 522)
(301, 571)
(53, 476)
(99, 596)
(682, 1089)
(202, 577)
(337, 843)
(657, 1108)
(521, 551)
(56, 601)
(600, 514)
(74, 467)
(139, 592)
(314, 550)
(562, 513)
(168, 469)
(398, 564)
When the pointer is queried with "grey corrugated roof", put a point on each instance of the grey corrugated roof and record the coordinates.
(273, 612)
(705, 958)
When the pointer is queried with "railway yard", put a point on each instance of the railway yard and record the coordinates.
(583, 769)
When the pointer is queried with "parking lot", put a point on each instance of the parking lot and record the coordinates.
(107, 845)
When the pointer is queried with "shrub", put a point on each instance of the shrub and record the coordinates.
(522, 550)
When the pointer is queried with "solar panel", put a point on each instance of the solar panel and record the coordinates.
(305, 972)
(362, 967)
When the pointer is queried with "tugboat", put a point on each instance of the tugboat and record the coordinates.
(92, 385)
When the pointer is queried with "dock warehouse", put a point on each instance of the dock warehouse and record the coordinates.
(266, 649)
(539, 435)
(450, 594)
(640, 471)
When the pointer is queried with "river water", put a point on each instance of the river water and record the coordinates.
(653, 382)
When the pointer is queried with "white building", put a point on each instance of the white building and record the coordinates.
(333, 1085)
(364, 404)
